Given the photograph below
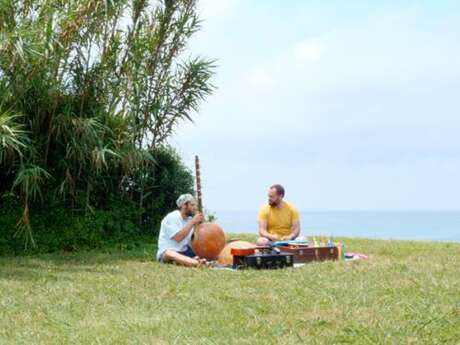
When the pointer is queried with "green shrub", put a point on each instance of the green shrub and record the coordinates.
(90, 92)
(115, 222)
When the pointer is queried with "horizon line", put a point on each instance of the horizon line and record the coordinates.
(342, 210)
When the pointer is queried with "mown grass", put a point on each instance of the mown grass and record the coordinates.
(406, 293)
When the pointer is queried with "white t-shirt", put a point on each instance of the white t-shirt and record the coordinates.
(170, 226)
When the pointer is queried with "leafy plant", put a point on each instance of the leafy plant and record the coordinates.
(90, 92)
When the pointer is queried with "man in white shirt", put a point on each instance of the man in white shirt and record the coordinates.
(176, 233)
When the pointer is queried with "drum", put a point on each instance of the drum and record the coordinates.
(208, 241)
(225, 256)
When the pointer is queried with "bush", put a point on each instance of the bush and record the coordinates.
(114, 223)
(90, 92)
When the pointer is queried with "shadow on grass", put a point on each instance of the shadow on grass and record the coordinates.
(58, 265)
(143, 251)
(52, 266)
(34, 267)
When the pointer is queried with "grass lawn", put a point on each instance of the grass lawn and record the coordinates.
(406, 293)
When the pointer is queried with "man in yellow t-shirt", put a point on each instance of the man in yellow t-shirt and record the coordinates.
(279, 219)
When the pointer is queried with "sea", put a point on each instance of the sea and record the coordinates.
(398, 225)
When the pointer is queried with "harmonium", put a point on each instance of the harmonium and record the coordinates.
(305, 253)
(261, 258)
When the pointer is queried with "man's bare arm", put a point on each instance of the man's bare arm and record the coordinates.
(295, 231)
(182, 233)
(264, 233)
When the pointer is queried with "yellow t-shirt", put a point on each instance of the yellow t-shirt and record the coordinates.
(279, 220)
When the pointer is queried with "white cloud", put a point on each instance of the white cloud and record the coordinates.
(283, 67)
(307, 51)
(261, 79)
(286, 68)
(216, 8)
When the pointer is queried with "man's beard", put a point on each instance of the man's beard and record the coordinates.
(190, 214)
(273, 203)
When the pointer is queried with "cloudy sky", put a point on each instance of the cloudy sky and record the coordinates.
(349, 104)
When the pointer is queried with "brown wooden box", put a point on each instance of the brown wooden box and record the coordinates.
(304, 254)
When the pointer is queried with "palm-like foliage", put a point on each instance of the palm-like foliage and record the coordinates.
(13, 139)
(29, 180)
(99, 84)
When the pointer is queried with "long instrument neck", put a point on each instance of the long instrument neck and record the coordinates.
(198, 184)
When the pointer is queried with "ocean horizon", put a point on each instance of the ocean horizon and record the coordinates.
(388, 225)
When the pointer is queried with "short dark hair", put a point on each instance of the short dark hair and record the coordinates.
(279, 189)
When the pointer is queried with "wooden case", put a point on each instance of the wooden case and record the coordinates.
(303, 254)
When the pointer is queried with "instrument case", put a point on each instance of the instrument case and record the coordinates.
(264, 260)
(303, 254)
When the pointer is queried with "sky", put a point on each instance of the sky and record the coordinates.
(350, 105)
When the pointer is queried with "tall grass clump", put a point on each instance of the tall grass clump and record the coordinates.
(90, 92)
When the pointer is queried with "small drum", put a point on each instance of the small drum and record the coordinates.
(226, 257)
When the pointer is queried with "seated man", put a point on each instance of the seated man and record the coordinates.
(176, 233)
(279, 220)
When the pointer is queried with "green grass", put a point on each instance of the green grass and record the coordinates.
(406, 293)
